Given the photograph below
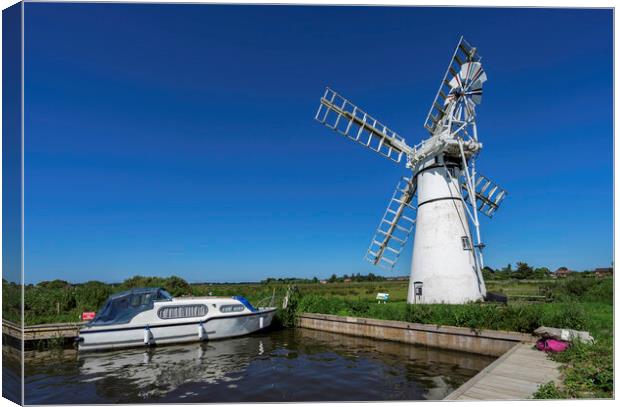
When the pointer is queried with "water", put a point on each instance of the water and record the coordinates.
(282, 365)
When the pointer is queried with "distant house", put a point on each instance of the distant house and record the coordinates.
(323, 281)
(604, 272)
(347, 280)
(562, 272)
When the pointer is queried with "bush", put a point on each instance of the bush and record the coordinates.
(359, 307)
(515, 317)
(42, 304)
(523, 317)
(322, 305)
(578, 287)
(11, 301)
(174, 285)
(288, 316)
(90, 296)
(583, 290)
(602, 291)
(566, 315)
(177, 286)
(548, 391)
(54, 284)
(589, 370)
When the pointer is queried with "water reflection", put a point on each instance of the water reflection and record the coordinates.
(11, 370)
(156, 372)
(438, 371)
(288, 365)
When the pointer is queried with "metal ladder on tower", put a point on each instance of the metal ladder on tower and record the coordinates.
(395, 227)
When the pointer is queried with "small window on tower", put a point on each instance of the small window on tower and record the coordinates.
(466, 243)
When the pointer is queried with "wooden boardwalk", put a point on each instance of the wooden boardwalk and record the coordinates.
(41, 332)
(515, 375)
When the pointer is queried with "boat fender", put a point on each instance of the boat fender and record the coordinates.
(148, 335)
(201, 331)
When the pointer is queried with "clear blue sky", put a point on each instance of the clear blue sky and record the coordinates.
(175, 139)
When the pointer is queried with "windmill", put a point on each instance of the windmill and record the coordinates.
(442, 196)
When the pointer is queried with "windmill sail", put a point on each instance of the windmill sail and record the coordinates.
(341, 115)
(466, 90)
(464, 53)
(395, 226)
(489, 195)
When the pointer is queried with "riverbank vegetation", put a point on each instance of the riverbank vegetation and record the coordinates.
(588, 368)
(580, 301)
(61, 301)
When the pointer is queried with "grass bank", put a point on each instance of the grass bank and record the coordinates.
(588, 371)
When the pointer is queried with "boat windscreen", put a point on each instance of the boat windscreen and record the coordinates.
(121, 308)
(245, 302)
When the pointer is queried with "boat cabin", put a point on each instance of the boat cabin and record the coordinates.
(122, 307)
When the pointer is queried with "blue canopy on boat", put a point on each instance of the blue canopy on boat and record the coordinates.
(120, 308)
(245, 302)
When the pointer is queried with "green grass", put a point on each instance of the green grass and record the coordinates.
(518, 317)
(361, 291)
(520, 287)
(588, 368)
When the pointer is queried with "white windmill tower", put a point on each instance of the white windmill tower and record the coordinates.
(443, 194)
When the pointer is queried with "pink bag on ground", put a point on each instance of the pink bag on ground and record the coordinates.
(551, 345)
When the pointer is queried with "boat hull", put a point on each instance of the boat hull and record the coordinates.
(218, 327)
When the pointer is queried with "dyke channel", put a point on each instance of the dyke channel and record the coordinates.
(327, 358)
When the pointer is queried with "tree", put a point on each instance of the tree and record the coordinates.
(333, 278)
(523, 271)
(541, 272)
(91, 295)
(54, 284)
(174, 285)
(177, 286)
(488, 273)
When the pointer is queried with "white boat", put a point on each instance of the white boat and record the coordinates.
(151, 316)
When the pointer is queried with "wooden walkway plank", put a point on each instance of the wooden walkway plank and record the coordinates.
(515, 375)
(43, 331)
